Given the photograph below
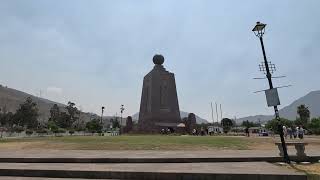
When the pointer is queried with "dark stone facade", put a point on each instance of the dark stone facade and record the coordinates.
(159, 106)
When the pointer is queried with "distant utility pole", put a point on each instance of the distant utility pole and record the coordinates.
(79, 120)
(220, 112)
(217, 113)
(212, 113)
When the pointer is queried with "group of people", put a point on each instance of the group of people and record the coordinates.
(293, 132)
(202, 132)
(167, 131)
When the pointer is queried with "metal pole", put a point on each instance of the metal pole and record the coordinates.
(220, 112)
(101, 114)
(217, 113)
(276, 111)
(121, 111)
(212, 113)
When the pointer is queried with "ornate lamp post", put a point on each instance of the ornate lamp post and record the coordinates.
(121, 111)
(102, 109)
(259, 30)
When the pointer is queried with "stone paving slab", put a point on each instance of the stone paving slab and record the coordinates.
(241, 170)
(232, 168)
(95, 156)
(40, 178)
(41, 153)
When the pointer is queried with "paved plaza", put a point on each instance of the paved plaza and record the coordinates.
(42, 153)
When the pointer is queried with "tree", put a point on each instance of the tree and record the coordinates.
(73, 113)
(273, 124)
(64, 120)
(226, 124)
(29, 132)
(249, 124)
(115, 123)
(54, 113)
(52, 126)
(41, 131)
(71, 132)
(314, 125)
(27, 114)
(6, 119)
(94, 126)
(304, 113)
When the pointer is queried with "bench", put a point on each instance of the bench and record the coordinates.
(300, 147)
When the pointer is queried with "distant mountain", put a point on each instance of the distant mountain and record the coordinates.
(311, 100)
(10, 99)
(183, 114)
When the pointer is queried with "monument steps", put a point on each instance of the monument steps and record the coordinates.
(216, 171)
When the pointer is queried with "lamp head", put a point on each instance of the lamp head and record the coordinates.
(259, 29)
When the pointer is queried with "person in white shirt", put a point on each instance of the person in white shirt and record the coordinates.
(285, 132)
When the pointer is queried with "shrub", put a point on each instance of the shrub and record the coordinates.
(314, 126)
(71, 132)
(59, 131)
(17, 129)
(273, 124)
(29, 132)
(42, 131)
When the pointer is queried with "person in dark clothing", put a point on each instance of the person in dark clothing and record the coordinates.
(247, 132)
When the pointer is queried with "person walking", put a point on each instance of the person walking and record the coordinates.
(285, 132)
(297, 129)
(300, 132)
(290, 132)
(247, 132)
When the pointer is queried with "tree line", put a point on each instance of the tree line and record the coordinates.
(26, 118)
(303, 120)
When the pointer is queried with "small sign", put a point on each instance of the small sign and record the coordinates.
(272, 97)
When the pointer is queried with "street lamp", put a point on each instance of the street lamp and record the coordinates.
(121, 111)
(259, 30)
(102, 109)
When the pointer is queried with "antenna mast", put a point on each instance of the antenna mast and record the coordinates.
(212, 113)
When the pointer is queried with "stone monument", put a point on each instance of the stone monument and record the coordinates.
(159, 108)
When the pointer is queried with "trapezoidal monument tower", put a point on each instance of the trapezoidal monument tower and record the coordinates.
(159, 107)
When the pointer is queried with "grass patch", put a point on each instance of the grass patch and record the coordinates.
(137, 142)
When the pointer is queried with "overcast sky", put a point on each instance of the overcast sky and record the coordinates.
(97, 52)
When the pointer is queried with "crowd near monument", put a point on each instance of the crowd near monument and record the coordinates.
(159, 107)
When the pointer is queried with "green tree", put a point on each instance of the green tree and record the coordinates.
(314, 126)
(54, 113)
(52, 126)
(27, 114)
(273, 124)
(64, 120)
(6, 119)
(73, 113)
(94, 126)
(226, 124)
(304, 114)
(115, 123)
